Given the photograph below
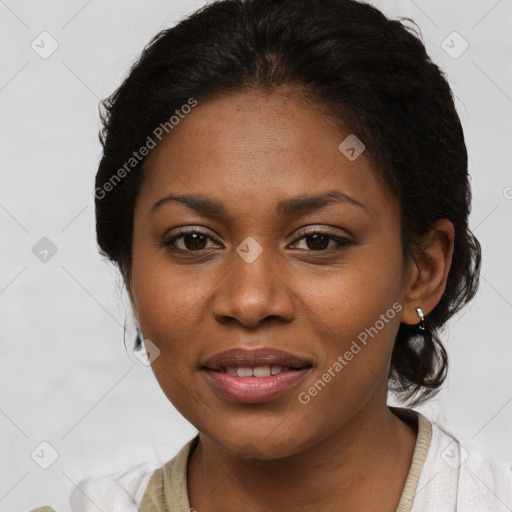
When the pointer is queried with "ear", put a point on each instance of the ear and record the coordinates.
(428, 274)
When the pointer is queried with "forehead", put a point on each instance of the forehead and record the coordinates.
(258, 149)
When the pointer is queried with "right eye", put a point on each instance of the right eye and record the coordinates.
(193, 240)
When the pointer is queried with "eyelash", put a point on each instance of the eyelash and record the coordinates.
(342, 242)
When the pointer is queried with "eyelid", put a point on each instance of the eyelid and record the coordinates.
(340, 240)
(318, 229)
(326, 229)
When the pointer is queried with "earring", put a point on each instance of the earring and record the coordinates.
(421, 325)
(138, 339)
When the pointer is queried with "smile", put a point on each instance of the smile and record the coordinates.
(258, 371)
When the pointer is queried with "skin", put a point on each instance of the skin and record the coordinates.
(249, 151)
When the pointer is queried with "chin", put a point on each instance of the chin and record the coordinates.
(258, 446)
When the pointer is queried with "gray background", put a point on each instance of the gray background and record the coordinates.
(66, 377)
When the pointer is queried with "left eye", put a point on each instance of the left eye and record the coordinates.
(319, 240)
(194, 241)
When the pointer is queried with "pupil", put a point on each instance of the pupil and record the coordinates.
(197, 243)
(316, 245)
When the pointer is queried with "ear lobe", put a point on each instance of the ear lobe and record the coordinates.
(433, 263)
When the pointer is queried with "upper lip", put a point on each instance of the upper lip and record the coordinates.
(253, 358)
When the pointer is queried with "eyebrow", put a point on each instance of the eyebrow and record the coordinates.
(287, 207)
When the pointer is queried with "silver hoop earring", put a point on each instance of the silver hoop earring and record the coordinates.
(138, 339)
(421, 325)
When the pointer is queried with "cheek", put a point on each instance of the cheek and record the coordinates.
(165, 294)
(168, 308)
(356, 315)
(348, 299)
(355, 347)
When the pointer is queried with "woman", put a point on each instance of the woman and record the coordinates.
(284, 189)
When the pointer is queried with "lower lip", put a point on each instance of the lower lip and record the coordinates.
(251, 390)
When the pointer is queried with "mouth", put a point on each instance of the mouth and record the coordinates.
(254, 376)
(256, 371)
(262, 362)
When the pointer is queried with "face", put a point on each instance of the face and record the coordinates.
(315, 279)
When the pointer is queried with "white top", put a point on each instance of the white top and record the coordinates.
(447, 475)
(458, 476)
(118, 492)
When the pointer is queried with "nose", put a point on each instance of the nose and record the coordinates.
(253, 291)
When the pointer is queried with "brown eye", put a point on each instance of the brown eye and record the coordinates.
(319, 241)
(191, 241)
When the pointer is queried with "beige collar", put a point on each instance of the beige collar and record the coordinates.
(167, 488)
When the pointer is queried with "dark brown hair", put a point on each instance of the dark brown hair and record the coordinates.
(368, 72)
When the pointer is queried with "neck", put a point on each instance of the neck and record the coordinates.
(362, 465)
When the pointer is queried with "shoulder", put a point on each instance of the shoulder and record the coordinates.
(122, 490)
(137, 488)
(168, 488)
(458, 475)
(484, 477)
(119, 491)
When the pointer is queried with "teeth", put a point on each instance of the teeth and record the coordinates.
(261, 371)
(243, 371)
(258, 371)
